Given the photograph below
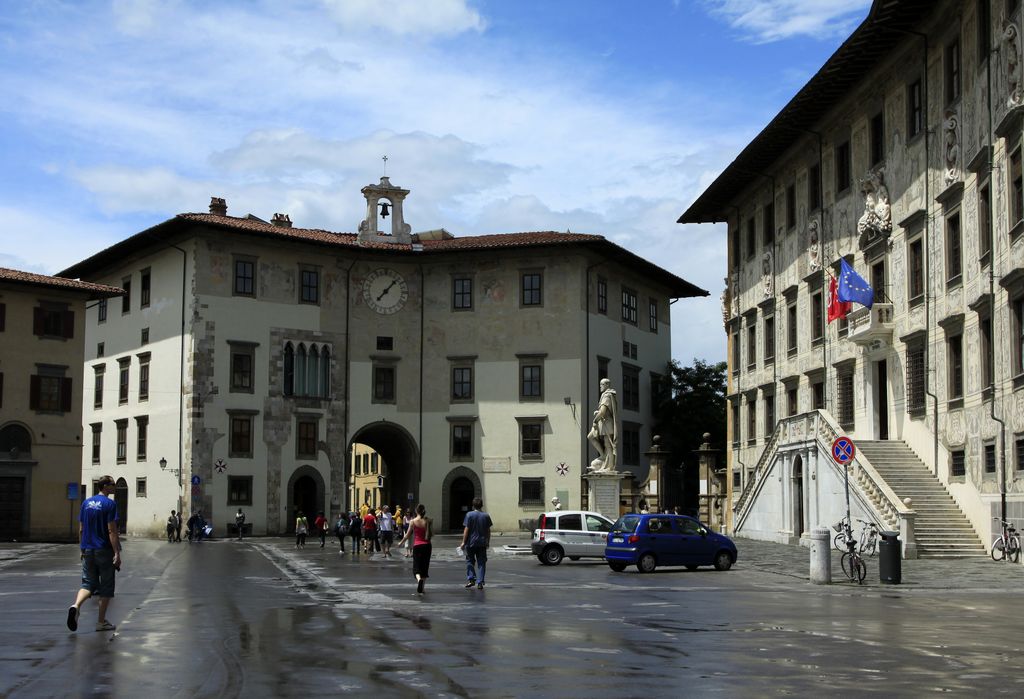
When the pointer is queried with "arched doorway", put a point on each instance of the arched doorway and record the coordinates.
(460, 501)
(398, 466)
(121, 498)
(460, 486)
(798, 497)
(306, 492)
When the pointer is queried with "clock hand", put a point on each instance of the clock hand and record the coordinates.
(385, 292)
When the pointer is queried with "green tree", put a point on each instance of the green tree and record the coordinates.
(689, 401)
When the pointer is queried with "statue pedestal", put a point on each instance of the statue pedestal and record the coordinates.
(604, 492)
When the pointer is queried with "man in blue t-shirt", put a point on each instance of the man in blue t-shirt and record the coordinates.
(101, 553)
(476, 537)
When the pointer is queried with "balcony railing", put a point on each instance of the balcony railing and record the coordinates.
(871, 326)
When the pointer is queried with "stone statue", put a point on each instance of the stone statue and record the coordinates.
(556, 504)
(726, 301)
(604, 431)
(951, 146)
(767, 277)
(876, 222)
(814, 245)
(1011, 49)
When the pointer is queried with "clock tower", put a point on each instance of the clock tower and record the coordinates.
(387, 199)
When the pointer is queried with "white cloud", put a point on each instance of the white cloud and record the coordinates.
(406, 17)
(774, 20)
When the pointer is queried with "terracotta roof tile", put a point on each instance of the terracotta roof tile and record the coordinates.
(19, 277)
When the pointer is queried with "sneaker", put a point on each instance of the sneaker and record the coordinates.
(479, 586)
(470, 583)
(105, 626)
(73, 618)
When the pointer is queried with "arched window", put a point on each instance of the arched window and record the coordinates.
(300, 371)
(15, 442)
(325, 373)
(312, 372)
(289, 369)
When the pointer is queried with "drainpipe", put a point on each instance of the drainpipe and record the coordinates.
(586, 378)
(419, 437)
(992, 289)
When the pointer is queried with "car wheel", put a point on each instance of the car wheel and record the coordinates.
(617, 566)
(647, 563)
(691, 566)
(574, 558)
(723, 561)
(551, 556)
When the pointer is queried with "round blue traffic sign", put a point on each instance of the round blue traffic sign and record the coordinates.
(843, 450)
(196, 480)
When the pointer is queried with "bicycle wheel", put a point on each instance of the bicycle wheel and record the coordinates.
(998, 550)
(870, 546)
(860, 569)
(847, 564)
(839, 542)
(1013, 550)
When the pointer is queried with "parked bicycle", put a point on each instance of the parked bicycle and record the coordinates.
(845, 536)
(1006, 547)
(853, 565)
(868, 538)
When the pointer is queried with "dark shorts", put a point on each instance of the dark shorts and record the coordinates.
(98, 571)
(386, 537)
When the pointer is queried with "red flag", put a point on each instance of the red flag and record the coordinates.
(836, 308)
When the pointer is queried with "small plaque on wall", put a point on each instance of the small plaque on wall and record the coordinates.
(501, 464)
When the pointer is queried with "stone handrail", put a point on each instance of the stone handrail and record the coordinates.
(818, 426)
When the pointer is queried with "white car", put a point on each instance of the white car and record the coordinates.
(573, 533)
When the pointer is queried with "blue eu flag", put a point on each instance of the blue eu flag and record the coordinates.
(852, 286)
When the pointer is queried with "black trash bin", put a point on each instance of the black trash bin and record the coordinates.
(890, 560)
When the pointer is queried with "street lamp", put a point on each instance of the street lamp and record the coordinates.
(176, 472)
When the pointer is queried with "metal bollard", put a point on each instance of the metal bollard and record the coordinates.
(821, 557)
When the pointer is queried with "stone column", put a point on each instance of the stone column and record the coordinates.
(821, 557)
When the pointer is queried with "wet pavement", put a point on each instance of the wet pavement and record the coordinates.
(260, 618)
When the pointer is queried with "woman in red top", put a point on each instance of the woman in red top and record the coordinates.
(321, 527)
(421, 529)
(369, 532)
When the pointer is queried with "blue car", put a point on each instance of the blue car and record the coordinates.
(651, 540)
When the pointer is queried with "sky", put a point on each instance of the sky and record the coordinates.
(500, 116)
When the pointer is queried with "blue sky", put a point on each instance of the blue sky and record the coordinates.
(500, 115)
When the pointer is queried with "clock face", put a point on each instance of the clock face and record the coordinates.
(385, 291)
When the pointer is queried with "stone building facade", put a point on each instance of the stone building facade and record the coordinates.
(262, 355)
(42, 339)
(903, 156)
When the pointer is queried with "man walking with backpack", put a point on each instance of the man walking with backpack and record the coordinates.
(476, 537)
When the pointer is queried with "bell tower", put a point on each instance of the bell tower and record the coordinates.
(387, 199)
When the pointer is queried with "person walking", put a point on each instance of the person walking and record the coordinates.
(369, 532)
(301, 528)
(355, 530)
(320, 524)
(177, 528)
(386, 533)
(476, 537)
(172, 524)
(239, 522)
(421, 531)
(100, 547)
(341, 530)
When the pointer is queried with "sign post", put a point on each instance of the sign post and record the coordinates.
(843, 452)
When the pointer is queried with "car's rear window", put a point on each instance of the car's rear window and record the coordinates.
(627, 523)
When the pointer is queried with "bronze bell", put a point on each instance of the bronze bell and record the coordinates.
(385, 209)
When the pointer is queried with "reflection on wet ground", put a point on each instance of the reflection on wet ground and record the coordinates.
(261, 619)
